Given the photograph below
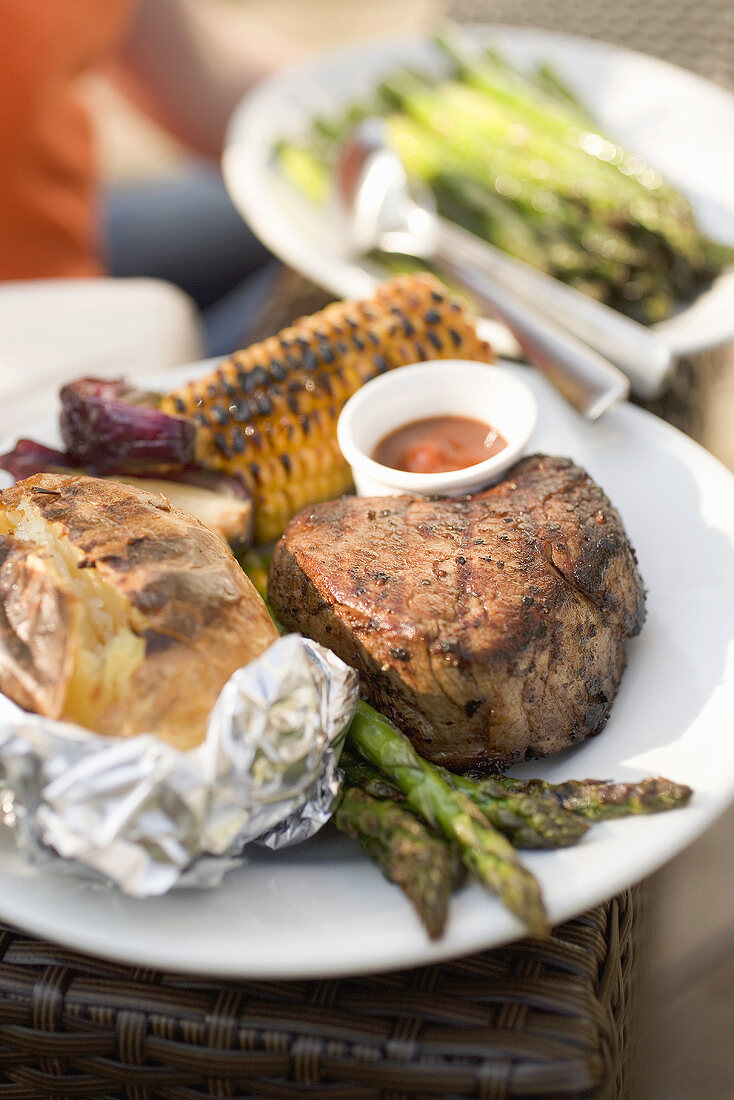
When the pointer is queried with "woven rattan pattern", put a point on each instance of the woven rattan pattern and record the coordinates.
(535, 1019)
(699, 36)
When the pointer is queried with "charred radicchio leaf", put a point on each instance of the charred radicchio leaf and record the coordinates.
(110, 426)
(221, 502)
(28, 457)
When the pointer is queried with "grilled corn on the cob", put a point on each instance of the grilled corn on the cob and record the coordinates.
(269, 413)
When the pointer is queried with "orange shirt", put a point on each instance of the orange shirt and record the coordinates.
(48, 215)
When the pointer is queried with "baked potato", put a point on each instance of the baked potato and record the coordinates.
(118, 611)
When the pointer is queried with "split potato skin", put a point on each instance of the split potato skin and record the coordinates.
(118, 610)
(36, 654)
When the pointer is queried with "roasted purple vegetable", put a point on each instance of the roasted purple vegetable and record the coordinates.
(220, 501)
(111, 427)
(28, 457)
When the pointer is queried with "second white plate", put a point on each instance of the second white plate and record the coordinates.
(677, 121)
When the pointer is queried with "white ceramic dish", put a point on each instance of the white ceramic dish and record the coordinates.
(673, 118)
(447, 387)
(322, 908)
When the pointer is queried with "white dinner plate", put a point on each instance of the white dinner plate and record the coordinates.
(324, 909)
(681, 123)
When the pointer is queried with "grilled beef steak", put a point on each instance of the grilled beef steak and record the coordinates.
(490, 628)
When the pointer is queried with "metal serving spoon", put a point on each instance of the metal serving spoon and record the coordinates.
(378, 209)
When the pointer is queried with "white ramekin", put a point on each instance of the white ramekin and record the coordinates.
(442, 387)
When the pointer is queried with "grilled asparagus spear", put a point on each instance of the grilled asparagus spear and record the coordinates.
(526, 819)
(550, 184)
(599, 799)
(358, 773)
(562, 123)
(305, 169)
(484, 850)
(409, 855)
(527, 810)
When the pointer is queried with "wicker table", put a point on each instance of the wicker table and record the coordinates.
(535, 1019)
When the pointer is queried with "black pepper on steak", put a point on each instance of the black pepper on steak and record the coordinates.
(482, 662)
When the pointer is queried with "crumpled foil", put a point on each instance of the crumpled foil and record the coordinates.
(148, 817)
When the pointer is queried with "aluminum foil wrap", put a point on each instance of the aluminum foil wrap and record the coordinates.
(149, 817)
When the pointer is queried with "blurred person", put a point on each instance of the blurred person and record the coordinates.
(55, 219)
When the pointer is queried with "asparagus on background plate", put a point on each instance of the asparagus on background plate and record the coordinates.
(514, 158)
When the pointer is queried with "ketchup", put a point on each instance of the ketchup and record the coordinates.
(438, 444)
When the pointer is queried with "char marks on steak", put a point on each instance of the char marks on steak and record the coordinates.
(489, 628)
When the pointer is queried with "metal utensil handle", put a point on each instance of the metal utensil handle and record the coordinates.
(641, 354)
(590, 383)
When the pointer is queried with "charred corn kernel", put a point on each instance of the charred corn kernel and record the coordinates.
(269, 413)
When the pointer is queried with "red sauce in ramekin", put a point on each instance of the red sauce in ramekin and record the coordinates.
(438, 444)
